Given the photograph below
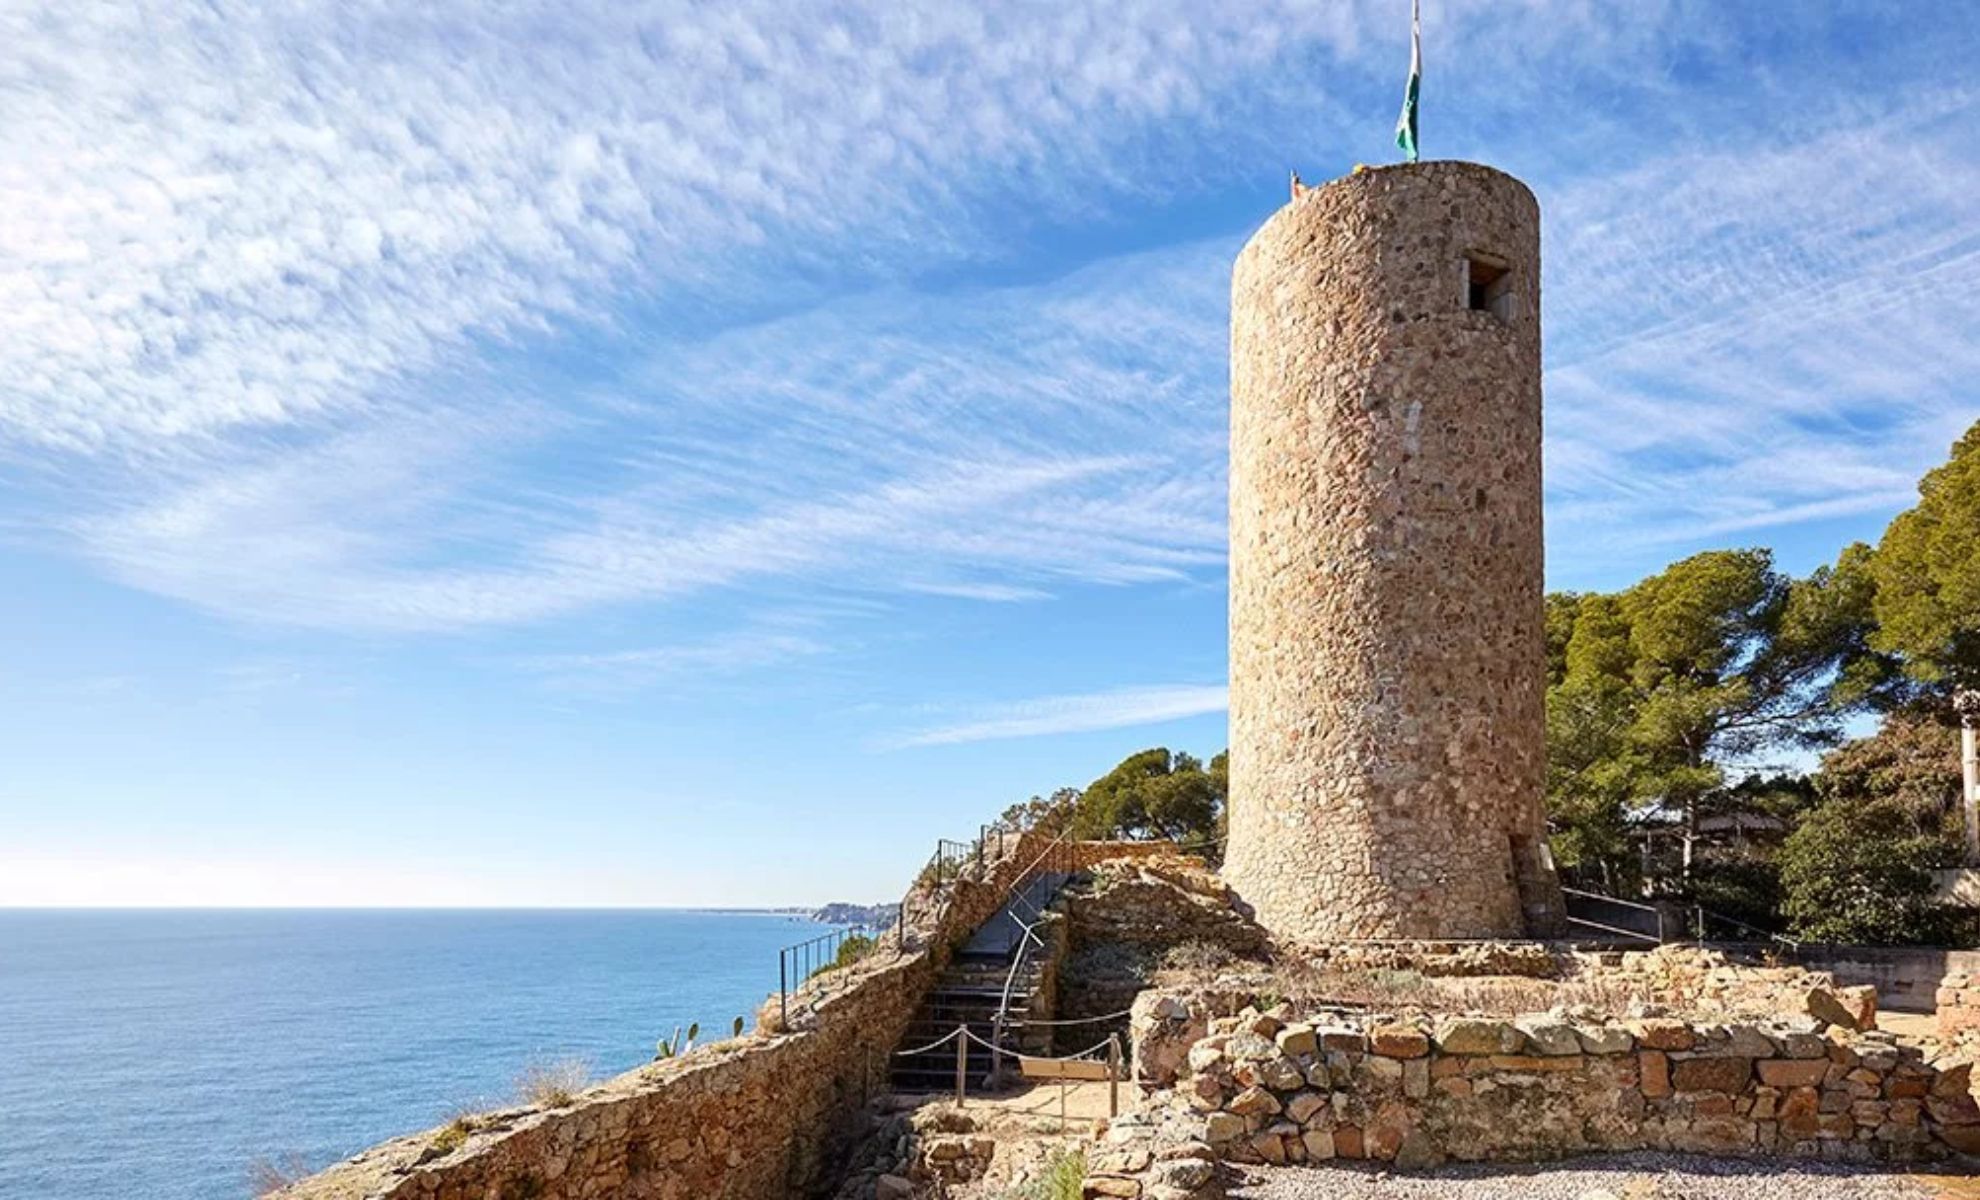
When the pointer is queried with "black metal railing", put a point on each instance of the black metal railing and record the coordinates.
(949, 862)
(1618, 918)
(800, 962)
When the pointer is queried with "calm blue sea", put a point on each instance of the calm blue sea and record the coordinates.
(156, 1055)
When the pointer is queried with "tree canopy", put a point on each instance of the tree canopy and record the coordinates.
(1656, 689)
(1154, 793)
(1927, 573)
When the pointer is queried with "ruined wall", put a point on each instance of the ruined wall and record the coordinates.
(1261, 1089)
(1907, 978)
(1387, 655)
(764, 1117)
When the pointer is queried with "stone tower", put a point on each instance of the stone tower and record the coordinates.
(1388, 659)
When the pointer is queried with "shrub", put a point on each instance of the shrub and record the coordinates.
(454, 1134)
(553, 1085)
(1064, 1178)
(852, 950)
(1861, 873)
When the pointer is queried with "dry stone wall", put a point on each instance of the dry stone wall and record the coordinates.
(1387, 655)
(765, 1117)
(1259, 1088)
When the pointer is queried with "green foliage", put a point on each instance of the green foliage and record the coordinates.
(1654, 689)
(1860, 872)
(453, 1135)
(1927, 574)
(1064, 1178)
(854, 948)
(1151, 794)
(678, 1044)
(1912, 761)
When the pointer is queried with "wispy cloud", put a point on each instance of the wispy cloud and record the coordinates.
(627, 670)
(1118, 709)
(469, 318)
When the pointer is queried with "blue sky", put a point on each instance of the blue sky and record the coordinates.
(570, 453)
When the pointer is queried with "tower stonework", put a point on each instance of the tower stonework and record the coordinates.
(1388, 655)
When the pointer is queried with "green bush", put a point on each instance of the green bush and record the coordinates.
(1064, 1179)
(1861, 873)
(853, 949)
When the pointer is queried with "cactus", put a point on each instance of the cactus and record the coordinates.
(737, 1030)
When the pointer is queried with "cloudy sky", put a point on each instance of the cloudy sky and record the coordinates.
(654, 453)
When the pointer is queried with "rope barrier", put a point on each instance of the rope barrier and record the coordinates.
(1075, 1020)
(964, 1031)
(939, 1042)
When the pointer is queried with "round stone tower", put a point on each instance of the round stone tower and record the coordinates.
(1388, 657)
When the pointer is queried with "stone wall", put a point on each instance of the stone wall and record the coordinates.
(1697, 979)
(1387, 659)
(1958, 1004)
(1261, 1088)
(1124, 919)
(1907, 978)
(764, 1117)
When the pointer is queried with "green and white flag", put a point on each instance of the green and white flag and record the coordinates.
(1406, 124)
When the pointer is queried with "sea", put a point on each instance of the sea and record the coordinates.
(162, 1055)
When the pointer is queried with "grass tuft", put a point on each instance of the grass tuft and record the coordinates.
(555, 1084)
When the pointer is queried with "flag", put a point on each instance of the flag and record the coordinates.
(1406, 123)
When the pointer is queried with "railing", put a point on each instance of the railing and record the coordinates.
(1065, 1067)
(1622, 918)
(1649, 923)
(951, 858)
(795, 964)
(1057, 856)
(1702, 919)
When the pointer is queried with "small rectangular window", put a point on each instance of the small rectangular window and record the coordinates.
(1488, 285)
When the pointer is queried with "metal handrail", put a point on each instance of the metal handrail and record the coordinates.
(812, 954)
(1649, 908)
(1699, 915)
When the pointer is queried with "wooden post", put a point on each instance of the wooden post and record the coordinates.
(962, 1061)
(1113, 1074)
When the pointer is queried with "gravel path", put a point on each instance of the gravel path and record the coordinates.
(1615, 1177)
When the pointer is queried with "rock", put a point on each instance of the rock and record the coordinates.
(1302, 1107)
(892, 1187)
(1295, 1040)
(1793, 1072)
(1604, 1039)
(1727, 1075)
(1250, 1047)
(1662, 1033)
(1319, 1144)
(1254, 1101)
(1654, 1067)
(1470, 1035)
(1418, 1152)
(1221, 1127)
(1270, 1147)
(1280, 1074)
(1399, 1041)
(1186, 1173)
(1828, 1006)
(1547, 1036)
(1861, 1001)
